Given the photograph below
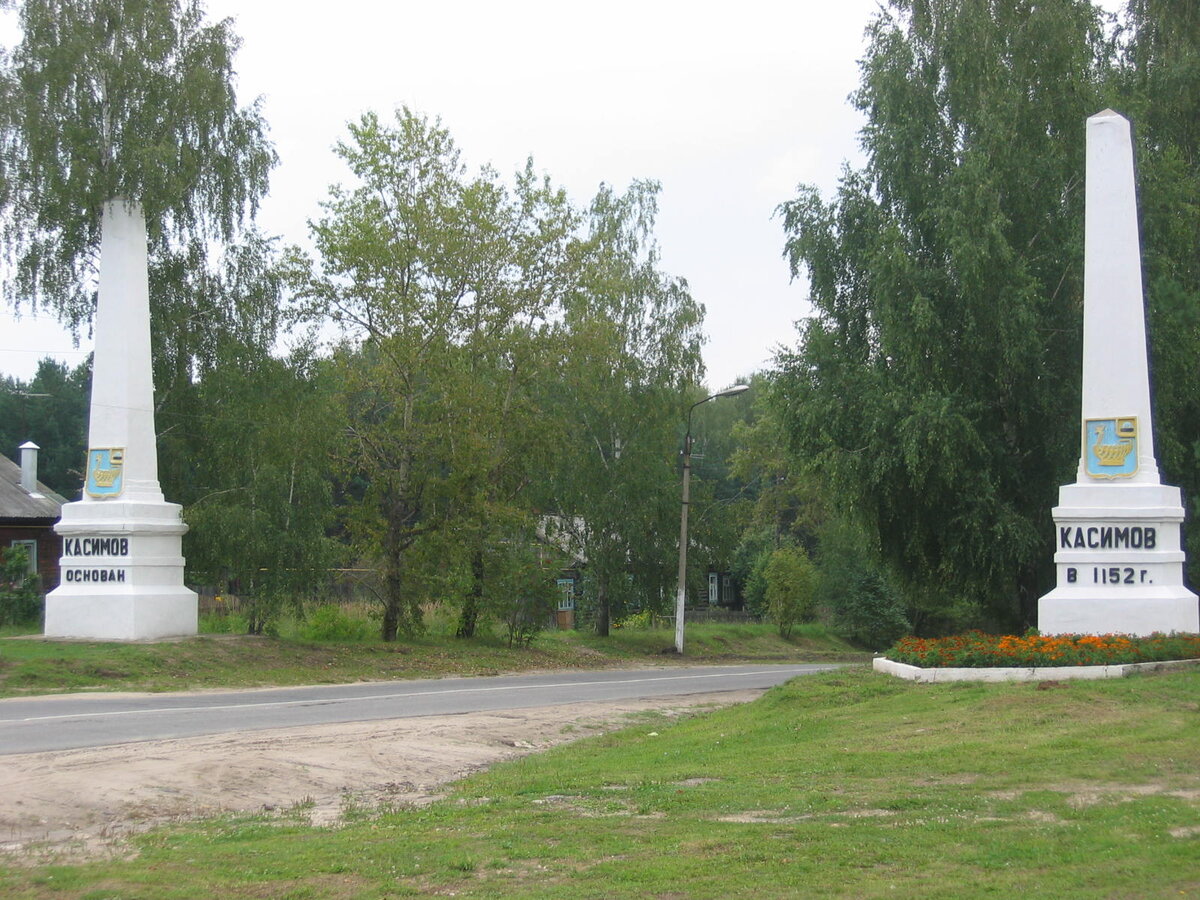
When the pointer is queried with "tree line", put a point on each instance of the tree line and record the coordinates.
(935, 390)
(503, 394)
(511, 368)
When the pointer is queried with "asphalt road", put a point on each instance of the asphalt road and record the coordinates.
(36, 724)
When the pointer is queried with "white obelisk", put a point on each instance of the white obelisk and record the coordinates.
(122, 565)
(1117, 528)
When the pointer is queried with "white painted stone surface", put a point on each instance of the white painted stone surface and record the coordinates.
(122, 564)
(1044, 673)
(1106, 585)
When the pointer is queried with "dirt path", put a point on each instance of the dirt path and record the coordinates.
(83, 802)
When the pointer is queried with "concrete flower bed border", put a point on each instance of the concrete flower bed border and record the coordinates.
(1044, 673)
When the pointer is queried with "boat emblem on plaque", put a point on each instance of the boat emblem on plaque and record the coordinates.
(104, 472)
(1110, 447)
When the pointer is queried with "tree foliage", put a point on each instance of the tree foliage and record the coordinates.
(20, 599)
(790, 586)
(107, 99)
(506, 352)
(260, 497)
(630, 361)
(946, 284)
(935, 384)
(446, 283)
(51, 410)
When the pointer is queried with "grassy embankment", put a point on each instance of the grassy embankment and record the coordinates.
(847, 784)
(29, 665)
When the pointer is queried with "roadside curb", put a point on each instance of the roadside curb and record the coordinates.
(1044, 673)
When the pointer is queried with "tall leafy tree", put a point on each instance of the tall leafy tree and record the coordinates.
(260, 498)
(211, 318)
(119, 101)
(935, 383)
(631, 360)
(721, 500)
(445, 282)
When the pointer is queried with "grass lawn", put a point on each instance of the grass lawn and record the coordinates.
(30, 665)
(846, 784)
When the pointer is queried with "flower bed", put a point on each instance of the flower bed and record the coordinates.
(977, 650)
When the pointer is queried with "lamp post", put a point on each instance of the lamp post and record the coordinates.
(681, 592)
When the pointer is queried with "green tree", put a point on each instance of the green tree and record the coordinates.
(445, 284)
(214, 320)
(946, 285)
(519, 588)
(721, 501)
(119, 101)
(787, 495)
(50, 410)
(20, 599)
(790, 585)
(859, 597)
(630, 346)
(262, 496)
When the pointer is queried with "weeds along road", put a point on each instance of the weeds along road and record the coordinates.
(36, 724)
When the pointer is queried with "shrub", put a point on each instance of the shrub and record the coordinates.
(747, 567)
(523, 594)
(863, 602)
(791, 586)
(331, 623)
(641, 620)
(20, 594)
(869, 610)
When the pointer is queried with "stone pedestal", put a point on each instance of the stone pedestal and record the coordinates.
(122, 573)
(1117, 528)
(122, 565)
(1119, 562)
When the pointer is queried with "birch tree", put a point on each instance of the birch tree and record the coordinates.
(119, 104)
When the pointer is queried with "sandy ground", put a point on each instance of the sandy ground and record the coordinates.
(84, 802)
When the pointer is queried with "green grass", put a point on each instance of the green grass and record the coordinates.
(29, 665)
(847, 784)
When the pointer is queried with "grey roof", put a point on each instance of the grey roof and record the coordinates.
(18, 503)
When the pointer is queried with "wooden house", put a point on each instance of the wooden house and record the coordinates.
(28, 511)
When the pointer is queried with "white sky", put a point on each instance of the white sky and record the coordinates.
(729, 107)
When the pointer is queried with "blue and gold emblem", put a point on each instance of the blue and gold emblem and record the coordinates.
(104, 472)
(1110, 447)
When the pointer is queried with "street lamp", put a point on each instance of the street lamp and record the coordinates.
(681, 593)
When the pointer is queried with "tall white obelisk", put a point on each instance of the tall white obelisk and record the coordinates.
(1117, 528)
(122, 565)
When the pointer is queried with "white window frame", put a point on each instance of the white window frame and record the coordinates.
(31, 548)
(566, 598)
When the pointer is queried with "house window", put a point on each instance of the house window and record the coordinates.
(31, 551)
(566, 595)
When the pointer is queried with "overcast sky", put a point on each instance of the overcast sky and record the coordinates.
(729, 107)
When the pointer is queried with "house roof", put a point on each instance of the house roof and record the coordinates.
(18, 503)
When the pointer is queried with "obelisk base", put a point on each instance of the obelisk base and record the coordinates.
(1119, 561)
(121, 573)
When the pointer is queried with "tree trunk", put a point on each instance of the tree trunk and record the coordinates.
(393, 586)
(470, 611)
(602, 611)
(391, 602)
